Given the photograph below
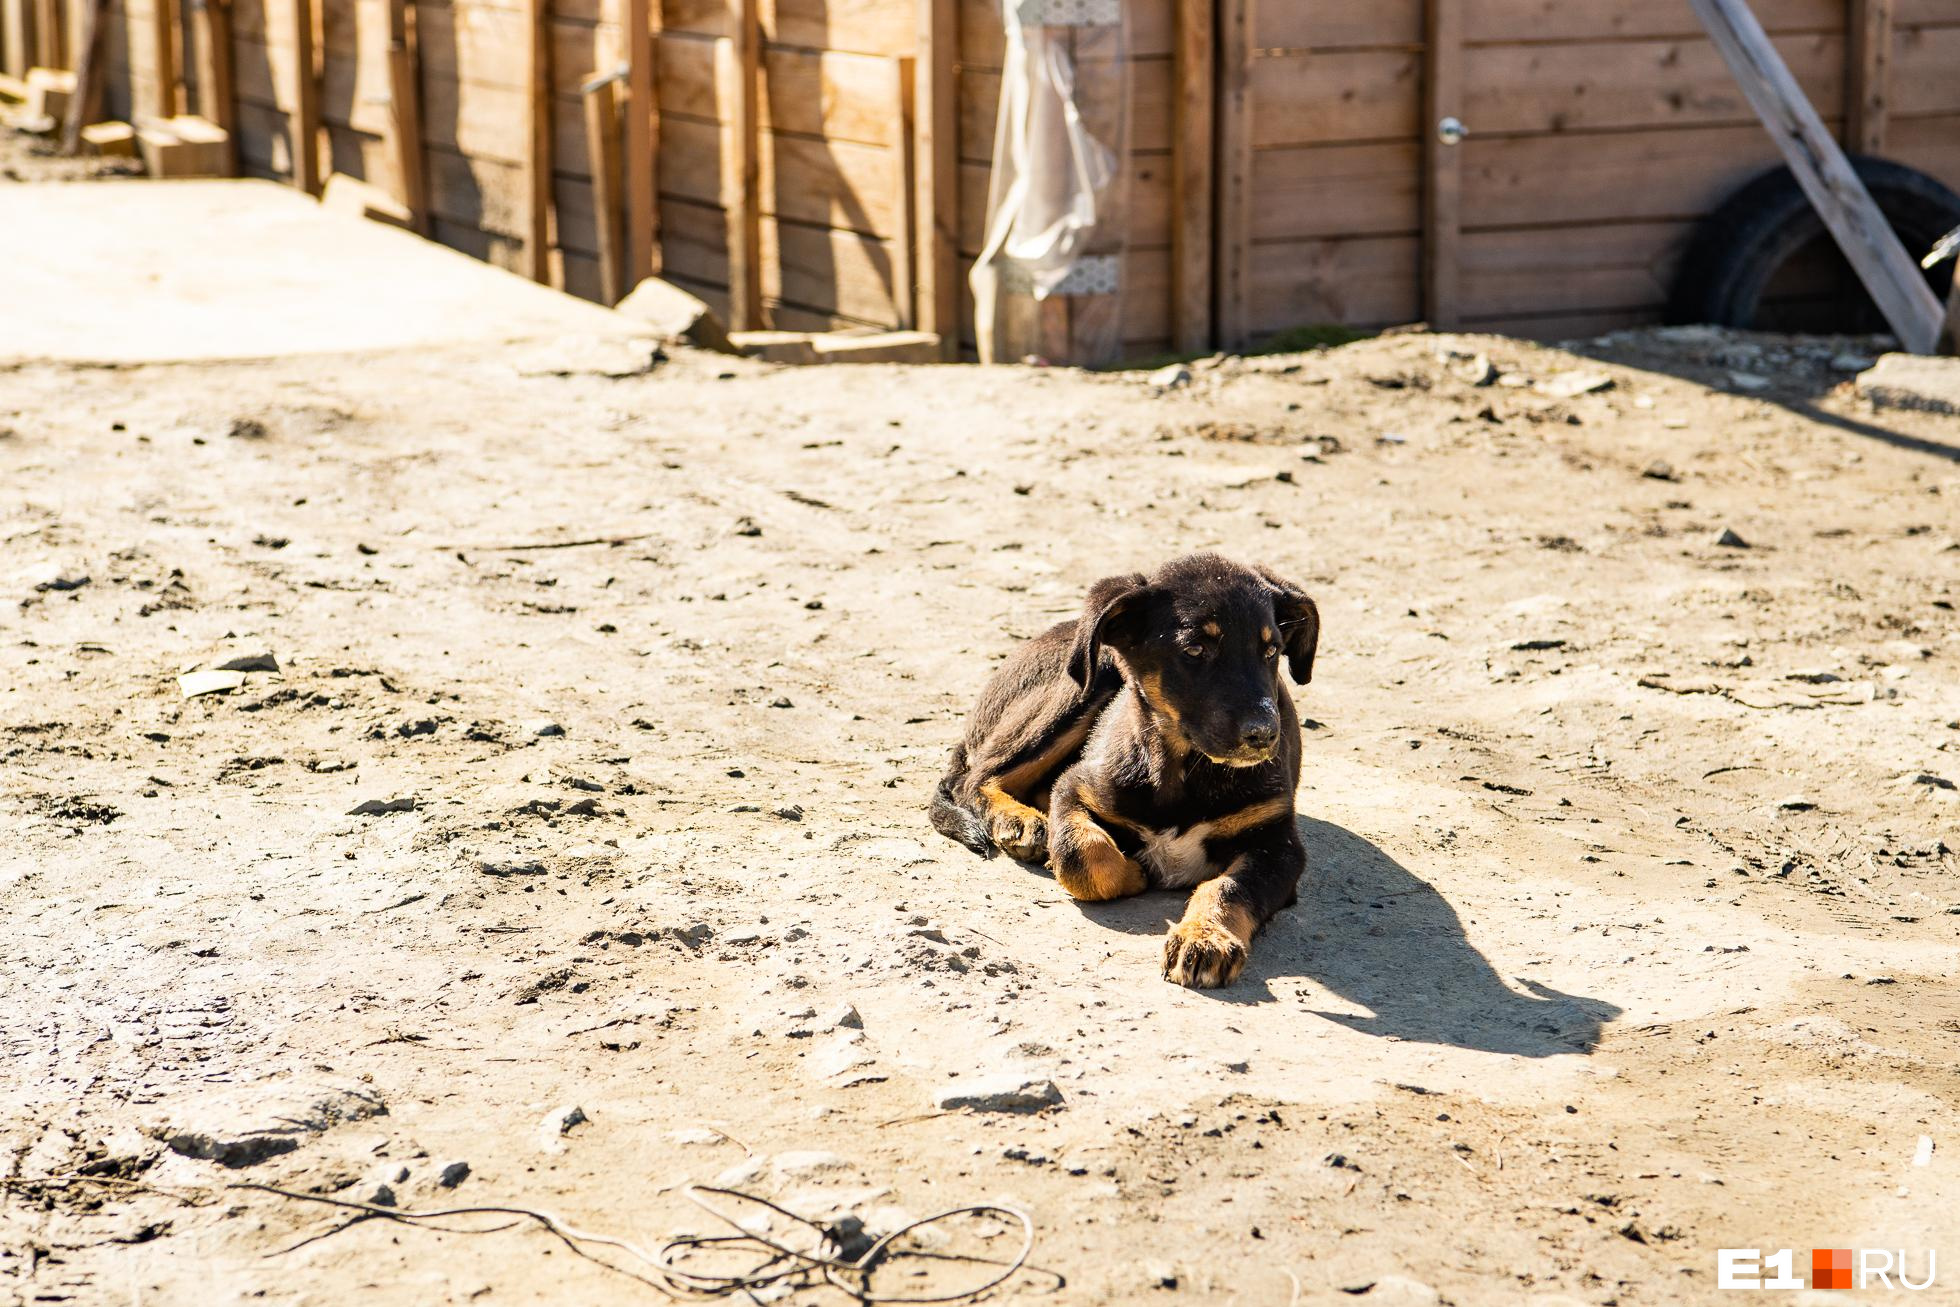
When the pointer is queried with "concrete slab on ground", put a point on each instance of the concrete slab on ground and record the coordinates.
(178, 271)
(1911, 381)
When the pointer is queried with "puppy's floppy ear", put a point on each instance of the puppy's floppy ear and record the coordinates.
(1113, 605)
(1299, 625)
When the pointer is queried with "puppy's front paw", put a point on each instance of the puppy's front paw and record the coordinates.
(1203, 955)
(1023, 837)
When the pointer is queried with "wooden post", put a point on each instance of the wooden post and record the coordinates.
(904, 202)
(1854, 219)
(305, 121)
(47, 34)
(936, 168)
(641, 142)
(743, 63)
(163, 28)
(1867, 75)
(601, 103)
(1194, 66)
(405, 113)
(211, 33)
(537, 154)
(1442, 97)
(1232, 289)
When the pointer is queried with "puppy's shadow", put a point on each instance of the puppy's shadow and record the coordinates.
(1373, 932)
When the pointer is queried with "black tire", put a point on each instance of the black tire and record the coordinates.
(1727, 277)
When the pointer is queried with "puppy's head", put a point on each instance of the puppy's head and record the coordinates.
(1202, 641)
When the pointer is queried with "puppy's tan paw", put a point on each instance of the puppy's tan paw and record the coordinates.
(1203, 955)
(1021, 837)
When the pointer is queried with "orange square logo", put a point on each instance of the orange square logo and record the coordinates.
(1830, 1268)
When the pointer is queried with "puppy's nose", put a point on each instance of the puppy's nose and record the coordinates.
(1261, 730)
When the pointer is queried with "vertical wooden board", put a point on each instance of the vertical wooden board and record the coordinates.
(1867, 75)
(537, 158)
(904, 245)
(1236, 128)
(304, 124)
(640, 140)
(1194, 92)
(1442, 216)
(163, 57)
(602, 142)
(741, 56)
(936, 169)
(217, 91)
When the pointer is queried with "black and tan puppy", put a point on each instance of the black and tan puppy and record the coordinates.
(1151, 743)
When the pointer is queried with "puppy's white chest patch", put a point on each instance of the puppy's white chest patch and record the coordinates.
(1176, 859)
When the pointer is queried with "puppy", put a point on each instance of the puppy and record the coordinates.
(1151, 743)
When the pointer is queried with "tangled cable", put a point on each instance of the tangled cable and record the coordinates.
(827, 1262)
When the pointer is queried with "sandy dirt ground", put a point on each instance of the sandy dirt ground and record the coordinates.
(1628, 934)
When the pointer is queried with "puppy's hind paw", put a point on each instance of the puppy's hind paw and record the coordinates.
(1023, 838)
(1202, 955)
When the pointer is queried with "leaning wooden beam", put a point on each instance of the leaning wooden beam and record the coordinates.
(1867, 75)
(216, 92)
(305, 120)
(1442, 193)
(537, 158)
(88, 75)
(742, 58)
(1821, 168)
(601, 96)
(640, 143)
(936, 171)
(1194, 68)
(405, 113)
(1232, 281)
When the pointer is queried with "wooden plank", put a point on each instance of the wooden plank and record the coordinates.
(49, 51)
(1855, 221)
(163, 58)
(1192, 146)
(880, 27)
(936, 169)
(1524, 88)
(1365, 281)
(1346, 190)
(16, 37)
(641, 140)
(1619, 176)
(741, 55)
(815, 93)
(89, 71)
(1867, 68)
(602, 142)
(489, 46)
(216, 89)
(1570, 269)
(405, 114)
(1237, 123)
(835, 184)
(537, 159)
(813, 267)
(305, 121)
(1923, 64)
(1442, 206)
(1150, 108)
(904, 246)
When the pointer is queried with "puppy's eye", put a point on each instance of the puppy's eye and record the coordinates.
(1193, 650)
(1272, 652)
